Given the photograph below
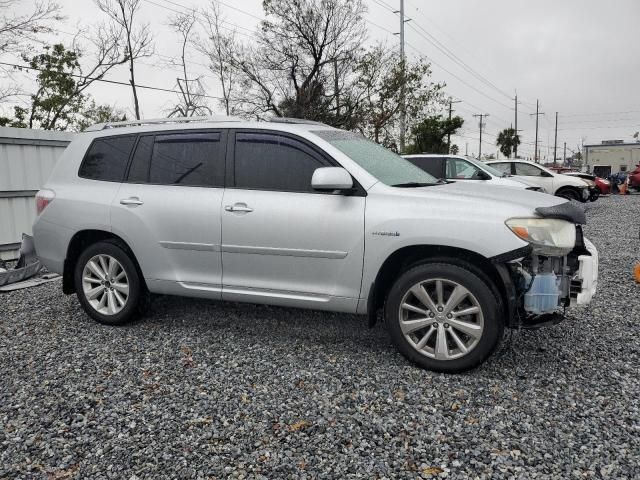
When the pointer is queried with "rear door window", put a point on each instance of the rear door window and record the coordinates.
(504, 167)
(528, 170)
(268, 161)
(432, 165)
(185, 159)
(107, 158)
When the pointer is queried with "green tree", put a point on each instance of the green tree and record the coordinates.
(56, 101)
(507, 140)
(93, 113)
(60, 101)
(430, 135)
(377, 92)
(454, 149)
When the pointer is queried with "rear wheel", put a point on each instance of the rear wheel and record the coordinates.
(443, 317)
(569, 194)
(107, 283)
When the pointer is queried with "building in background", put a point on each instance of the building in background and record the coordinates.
(611, 156)
(26, 160)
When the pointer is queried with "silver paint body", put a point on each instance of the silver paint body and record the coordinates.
(306, 250)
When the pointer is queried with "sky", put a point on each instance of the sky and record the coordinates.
(580, 58)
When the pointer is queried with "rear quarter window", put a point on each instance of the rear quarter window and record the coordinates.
(432, 165)
(107, 158)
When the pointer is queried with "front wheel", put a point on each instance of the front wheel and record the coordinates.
(443, 317)
(569, 195)
(107, 283)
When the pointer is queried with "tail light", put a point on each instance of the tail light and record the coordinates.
(43, 199)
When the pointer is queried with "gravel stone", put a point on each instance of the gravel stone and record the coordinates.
(202, 389)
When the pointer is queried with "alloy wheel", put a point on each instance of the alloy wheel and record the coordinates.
(105, 284)
(441, 319)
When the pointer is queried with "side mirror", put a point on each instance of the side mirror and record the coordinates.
(482, 175)
(331, 178)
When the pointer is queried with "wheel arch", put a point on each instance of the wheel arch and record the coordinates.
(79, 242)
(572, 188)
(408, 256)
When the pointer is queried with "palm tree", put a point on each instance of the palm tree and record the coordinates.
(507, 140)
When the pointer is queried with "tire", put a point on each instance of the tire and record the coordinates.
(113, 304)
(595, 194)
(417, 334)
(569, 194)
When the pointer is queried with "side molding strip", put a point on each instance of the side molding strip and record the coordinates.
(288, 252)
(200, 247)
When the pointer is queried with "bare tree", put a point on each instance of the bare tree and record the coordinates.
(217, 46)
(192, 95)
(138, 39)
(18, 29)
(289, 70)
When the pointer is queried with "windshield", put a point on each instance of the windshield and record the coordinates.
(487, 168)
(383, 164)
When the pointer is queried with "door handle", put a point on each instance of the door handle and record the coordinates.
(238, 207)
(131, 201)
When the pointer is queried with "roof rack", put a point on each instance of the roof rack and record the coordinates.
(294, 120)
(155, 121)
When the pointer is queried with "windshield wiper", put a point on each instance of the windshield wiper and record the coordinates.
(412, 185)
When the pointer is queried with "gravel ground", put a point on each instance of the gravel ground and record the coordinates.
(220, 390)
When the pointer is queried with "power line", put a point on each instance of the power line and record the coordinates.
(447, 51)
(594, 114)
(113, 82)
(185, 9)
(438, 64)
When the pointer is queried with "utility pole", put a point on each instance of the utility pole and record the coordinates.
(451, 102)
(481, 115)
(555, 142)
(537, 114)
(336, 87)
(515, 147)
(402, 90)
(564, 157)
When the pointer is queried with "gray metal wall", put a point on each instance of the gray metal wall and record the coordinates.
(26, 160)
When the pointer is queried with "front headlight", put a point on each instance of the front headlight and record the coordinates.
(548, 236)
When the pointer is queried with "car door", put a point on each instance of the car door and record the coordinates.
(283, 242)
(169, 210)
(535, 175)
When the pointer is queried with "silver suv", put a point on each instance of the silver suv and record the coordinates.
(300, 214)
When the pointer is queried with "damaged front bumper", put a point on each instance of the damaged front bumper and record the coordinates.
(546, 286)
